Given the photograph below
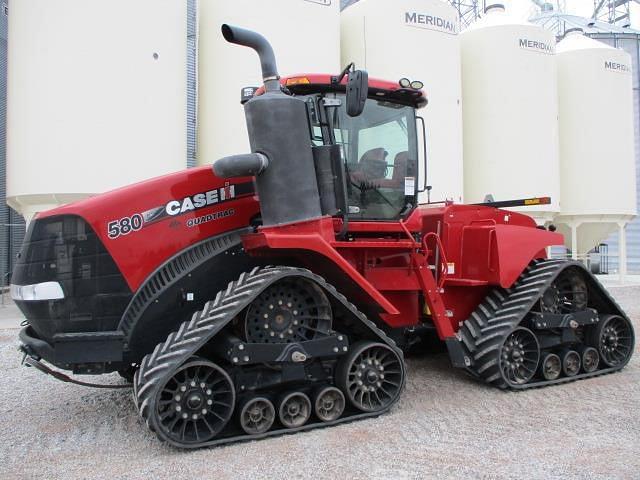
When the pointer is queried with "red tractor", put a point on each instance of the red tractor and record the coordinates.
(334, 270)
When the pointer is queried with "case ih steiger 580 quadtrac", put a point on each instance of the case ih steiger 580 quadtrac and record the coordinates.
(333, 266)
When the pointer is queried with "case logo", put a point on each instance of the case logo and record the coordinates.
(176, 207)
(200, 200)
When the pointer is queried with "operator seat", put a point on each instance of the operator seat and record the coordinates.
(372, 166)
(400, 164)
(401, 169)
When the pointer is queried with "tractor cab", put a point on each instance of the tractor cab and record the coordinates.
(380, 155)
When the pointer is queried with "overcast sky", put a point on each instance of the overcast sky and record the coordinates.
(583, 8)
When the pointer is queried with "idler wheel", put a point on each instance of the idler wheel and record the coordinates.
(614, 338)
(519, 356)
(551, 366)
(571, 363)
(295, 410)
(257, 415)
(196, 403)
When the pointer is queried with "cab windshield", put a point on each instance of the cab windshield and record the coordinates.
(378, 149)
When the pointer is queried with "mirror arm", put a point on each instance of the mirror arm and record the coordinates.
(338, 79)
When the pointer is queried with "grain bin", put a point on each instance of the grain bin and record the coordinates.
(416, 39)
(305, 35)
(96, 97)
(596, 140)
(510, 110)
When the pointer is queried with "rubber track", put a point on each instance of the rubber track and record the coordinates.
(157, 367)
(484, 332)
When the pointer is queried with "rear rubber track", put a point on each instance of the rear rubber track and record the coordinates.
(484, 332)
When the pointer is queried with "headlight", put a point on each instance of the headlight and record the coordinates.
(37, 291)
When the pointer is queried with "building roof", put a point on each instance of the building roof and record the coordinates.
(553, 20)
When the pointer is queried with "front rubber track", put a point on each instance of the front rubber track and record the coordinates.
(157, 367)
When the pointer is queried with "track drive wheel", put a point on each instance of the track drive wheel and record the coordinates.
(568, 293)
(291, 310)
(371, 375)
(195, 404)
(614, 340)
(519, 356)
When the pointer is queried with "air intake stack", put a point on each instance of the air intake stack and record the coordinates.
(282, 158)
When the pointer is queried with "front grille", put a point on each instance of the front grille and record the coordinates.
(65, 249)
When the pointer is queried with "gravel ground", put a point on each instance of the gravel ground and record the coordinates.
(446, 425)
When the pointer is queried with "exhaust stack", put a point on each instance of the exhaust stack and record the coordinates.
(247, 38)
(282, 157)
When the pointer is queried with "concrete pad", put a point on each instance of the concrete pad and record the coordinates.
(10, 316)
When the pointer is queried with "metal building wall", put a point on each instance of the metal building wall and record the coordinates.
(4, 208)
(12, 225)
(630, 42)
(192, 81)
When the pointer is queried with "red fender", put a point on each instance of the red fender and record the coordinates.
(515, 247)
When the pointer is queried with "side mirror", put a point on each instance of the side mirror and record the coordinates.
(357, 91)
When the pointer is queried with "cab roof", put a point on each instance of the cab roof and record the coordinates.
(306, 83)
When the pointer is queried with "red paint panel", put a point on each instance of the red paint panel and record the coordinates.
(516, 246)
(408, 307)
(462, 301)
(312, 235)
(139, 252)
(392, 279)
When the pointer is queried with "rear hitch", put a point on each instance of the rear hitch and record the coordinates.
(30, 360)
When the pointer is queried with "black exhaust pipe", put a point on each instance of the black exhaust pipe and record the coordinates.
(282, 161)
(243, 165)
(248, 38)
